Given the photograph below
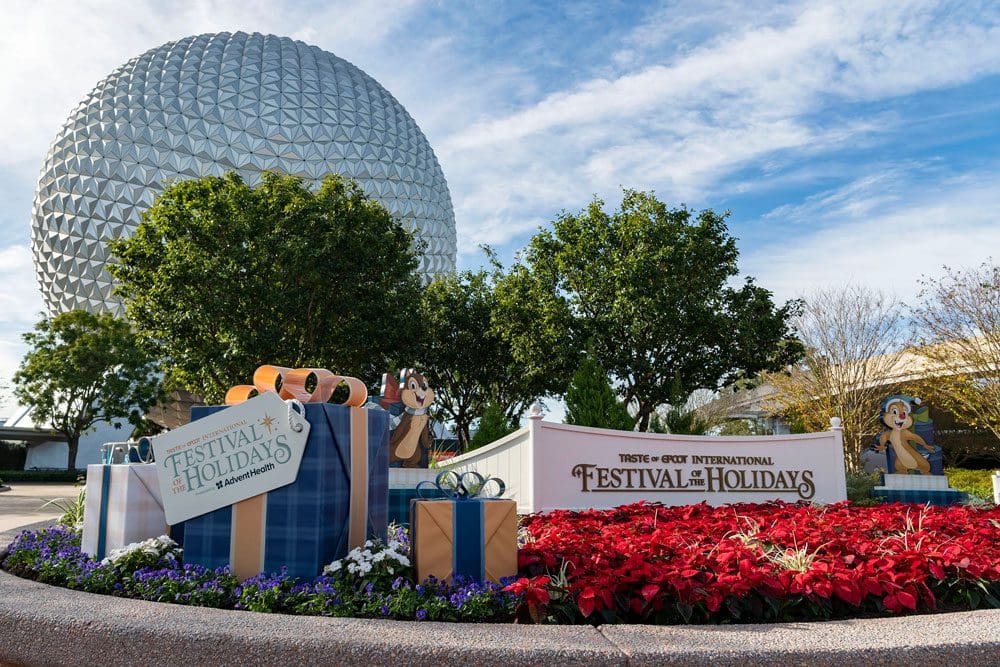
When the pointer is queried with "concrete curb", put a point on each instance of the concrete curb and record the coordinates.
(45, 625)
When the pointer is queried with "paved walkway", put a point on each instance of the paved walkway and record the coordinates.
(26, 502)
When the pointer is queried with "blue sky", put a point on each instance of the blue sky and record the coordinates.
(851, 140)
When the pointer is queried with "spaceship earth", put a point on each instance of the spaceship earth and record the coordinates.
(211, 104)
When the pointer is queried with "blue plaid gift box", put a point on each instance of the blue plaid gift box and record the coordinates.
(307, 524)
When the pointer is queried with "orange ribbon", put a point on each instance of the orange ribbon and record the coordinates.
(249, 518)
(291, 383)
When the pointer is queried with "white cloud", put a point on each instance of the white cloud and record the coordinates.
(20, 307)
(885, 230)
(749, 94)
(53, 52)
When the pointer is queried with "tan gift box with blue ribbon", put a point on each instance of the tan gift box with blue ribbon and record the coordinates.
(469, 533)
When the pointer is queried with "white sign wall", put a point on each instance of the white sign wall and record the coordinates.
(572, 467)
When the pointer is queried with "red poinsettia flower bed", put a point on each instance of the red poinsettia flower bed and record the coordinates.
(648, 563)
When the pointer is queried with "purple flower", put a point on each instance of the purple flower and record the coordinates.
(421, 614)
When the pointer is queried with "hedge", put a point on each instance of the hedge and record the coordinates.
(41, 475)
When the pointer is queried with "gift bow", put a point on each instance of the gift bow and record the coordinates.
(463, 486)
(291, 383)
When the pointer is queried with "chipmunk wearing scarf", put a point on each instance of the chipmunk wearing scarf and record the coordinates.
(412, 438)
(896, 415)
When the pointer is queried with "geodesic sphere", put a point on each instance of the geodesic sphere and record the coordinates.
(216, 103)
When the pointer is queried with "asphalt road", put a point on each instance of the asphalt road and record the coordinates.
(25, 502)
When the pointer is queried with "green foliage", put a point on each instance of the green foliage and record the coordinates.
(41, 476)
(860, 486)
(590, 400)
(462, 355)
(72, 509)
(379, 585)
(743, 427)
(226, 277)
(679, 421)
(678, 418)
(978, 483)
(957, 325)
(493, 425)
(650, 288)
(82, 369)
(52, 556)
(12, 455)
(199, 587)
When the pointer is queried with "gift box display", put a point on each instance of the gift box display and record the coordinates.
(122, 505)
(338, 500)
(403, 489)
(467, 533)
(400, 499)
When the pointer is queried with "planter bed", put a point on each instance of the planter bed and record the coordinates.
(642, 563)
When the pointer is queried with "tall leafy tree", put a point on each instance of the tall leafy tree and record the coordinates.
(82, 369)
(957, 324)
(464, 357)
(853, 339)
(650, 287)
(590, 400)
(227, 277)
(493, 425)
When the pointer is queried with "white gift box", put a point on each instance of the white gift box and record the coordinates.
(123, 505)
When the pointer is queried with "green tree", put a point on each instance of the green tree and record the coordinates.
(82, 369)
(957, 324)
(853, 340)
(678, 416)
(463, 356)
(493, 425)
(590, 400)
(649, 286)
(227, 277)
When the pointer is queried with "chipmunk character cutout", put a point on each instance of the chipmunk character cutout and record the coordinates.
(896, 414)
(411, 441)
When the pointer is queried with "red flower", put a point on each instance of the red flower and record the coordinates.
(637, 561)
(533, 591)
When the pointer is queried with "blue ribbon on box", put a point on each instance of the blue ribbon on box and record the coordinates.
(468, 489)
(102, 527)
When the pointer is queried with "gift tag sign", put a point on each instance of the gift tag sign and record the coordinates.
(229, 456)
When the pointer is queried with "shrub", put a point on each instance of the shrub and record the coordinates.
(43, 475)
(182, 584)
(978, 483)
(371, 583)
(493, 425)
(860, 486)
(590, 400)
